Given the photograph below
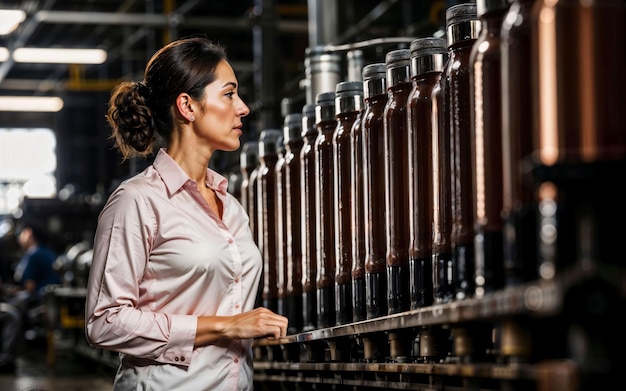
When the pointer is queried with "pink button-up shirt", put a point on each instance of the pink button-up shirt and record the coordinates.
(162, 258)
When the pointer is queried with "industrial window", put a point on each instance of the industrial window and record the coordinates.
(27, 165)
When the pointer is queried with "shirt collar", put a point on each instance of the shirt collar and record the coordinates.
(175, 178)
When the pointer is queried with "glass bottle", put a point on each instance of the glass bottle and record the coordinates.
(254, 205)
(358, 191)
(428, 57)
(253, 214)
(443, 291)
(248, 162)
(348, 104)
(463, 27)
(518, 209)
(326, 123)
(292, 220)
(375, 98)
(281, 234)
(486, 103)
(308, 223)
(518, 212)
(399, 85)
(579, 131)
(266, 183)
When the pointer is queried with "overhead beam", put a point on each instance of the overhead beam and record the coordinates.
(138, 19)
(160, 20)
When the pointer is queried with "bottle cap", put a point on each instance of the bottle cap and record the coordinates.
(325, 107)
(268, 142)
(292, 127)
(308, 120)
(249, 156)
(461, 13)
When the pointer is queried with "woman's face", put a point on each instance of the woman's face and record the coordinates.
(220, 121)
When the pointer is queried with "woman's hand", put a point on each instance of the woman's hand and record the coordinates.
(260, 322)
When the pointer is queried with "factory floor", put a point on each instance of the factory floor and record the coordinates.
(70, 372)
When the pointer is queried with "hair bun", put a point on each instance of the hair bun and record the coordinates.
(142, 88)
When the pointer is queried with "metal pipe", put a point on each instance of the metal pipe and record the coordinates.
(323, 25)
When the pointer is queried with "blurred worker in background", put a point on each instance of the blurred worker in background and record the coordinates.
(33, 273)
(35, 270)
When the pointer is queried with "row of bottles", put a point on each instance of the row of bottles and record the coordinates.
(455, 168)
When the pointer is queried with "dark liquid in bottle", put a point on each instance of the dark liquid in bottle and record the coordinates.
(292, 220)
(375, 97)
(427, 60)
(349, 101)
(249, 161)
(281, 231)
(460, 113)
(442, 197)
(580, 134)
(249, 196)
(487, 170)
(519, 213)
(399, 86)
(308, 220)
(268, 156)
(359, 309)
(325, 209)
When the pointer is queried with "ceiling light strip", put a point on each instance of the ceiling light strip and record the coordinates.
(59, 56)
(49, 104)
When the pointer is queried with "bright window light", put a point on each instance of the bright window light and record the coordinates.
(31, 103)
(4, 54)
(60, 56)
(27, 165)
(10, 19)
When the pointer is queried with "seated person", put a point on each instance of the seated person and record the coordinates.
(32, 275)
(35, 270)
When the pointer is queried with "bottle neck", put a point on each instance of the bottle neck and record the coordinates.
(324, 113)
(463, 31)
(398, 75)
(348, 104)
(373, 87)
(427, 63)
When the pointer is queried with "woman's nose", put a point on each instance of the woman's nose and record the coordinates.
(244, 109)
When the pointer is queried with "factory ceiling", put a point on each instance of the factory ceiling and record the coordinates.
(130, 31)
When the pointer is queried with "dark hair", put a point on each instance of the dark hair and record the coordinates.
(138, 109)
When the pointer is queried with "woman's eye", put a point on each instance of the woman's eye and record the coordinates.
(230, 94)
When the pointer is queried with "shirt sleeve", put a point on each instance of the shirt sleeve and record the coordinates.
(30, 269)
(122, 247)
(34, 271)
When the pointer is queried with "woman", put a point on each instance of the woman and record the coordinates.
(175, 269)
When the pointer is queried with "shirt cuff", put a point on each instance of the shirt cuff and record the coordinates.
(182, 335)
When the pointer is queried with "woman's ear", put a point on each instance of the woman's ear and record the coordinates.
(184, 106)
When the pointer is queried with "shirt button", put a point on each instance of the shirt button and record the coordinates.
(236, 280)
(182, 359)
(236, 305)
(236, 360)
(230, 241)
(175, 358)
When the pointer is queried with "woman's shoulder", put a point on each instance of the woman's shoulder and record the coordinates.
(140, 183)
(142, 186)
(132, 202)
